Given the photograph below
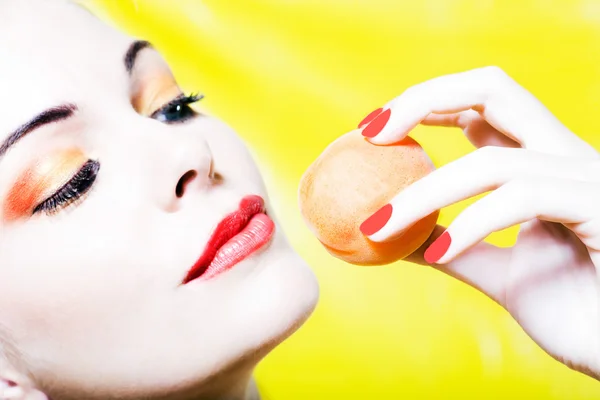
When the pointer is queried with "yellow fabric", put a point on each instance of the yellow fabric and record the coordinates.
(290, 76)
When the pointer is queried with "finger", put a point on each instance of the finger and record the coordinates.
(502, 102)
(483, 170)
(476, 129)
(551, 199)
(483, 266)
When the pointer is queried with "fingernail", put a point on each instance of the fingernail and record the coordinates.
(438, 248)
(376, 221)
(370, 117)
(377, 124)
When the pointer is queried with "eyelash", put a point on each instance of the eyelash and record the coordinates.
(72, 190)
(181, 104)
(83, 180)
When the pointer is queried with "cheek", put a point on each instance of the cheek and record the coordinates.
(61, 282)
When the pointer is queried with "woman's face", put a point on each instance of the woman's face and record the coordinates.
(107, 199)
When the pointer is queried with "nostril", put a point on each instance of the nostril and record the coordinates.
(183, 181)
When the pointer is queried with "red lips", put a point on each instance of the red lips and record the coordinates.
(235, 237)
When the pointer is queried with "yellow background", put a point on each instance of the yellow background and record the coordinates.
(291, 76)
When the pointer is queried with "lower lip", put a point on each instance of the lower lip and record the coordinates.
(257, 233)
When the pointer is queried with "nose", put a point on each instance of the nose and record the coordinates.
(183, 181)
(190, 176)
(192, 170)
(175, 165)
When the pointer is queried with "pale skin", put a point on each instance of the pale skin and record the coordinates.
(91, 305)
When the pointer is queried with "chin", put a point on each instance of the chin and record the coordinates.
(294, 291)
(283, 294)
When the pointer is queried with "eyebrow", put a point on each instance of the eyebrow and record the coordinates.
(65, 111)
(132, 53)
(46, 117)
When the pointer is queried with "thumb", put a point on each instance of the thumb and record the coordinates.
(483, 266)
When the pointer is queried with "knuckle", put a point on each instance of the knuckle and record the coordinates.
(486, 153)
(406, 96)
(411, 90)
(593, 170)
(496, 165)
(467, 118)
(495, 79)
(521, 185)
(586, 170)
(508, 154)
(523, 189)
(596, 197)
(494, 72)
(486, 164)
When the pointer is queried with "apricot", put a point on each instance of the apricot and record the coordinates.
(348, 182)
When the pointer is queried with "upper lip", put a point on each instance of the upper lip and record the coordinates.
(228, 227)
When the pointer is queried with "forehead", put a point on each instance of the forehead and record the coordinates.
(52, 52)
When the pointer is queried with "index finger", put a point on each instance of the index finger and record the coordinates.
(479, 172)
(501, 101)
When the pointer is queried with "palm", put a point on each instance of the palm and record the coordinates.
(546, 281)
(551, 290)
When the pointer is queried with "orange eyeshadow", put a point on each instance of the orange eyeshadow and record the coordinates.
(158, 91)
(41, 180)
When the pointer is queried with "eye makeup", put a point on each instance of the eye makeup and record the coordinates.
(54, 180)
(154, 92)
(177, 110)
(161, 99)
(41, 180)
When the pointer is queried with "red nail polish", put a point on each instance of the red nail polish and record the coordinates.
(377, 124)
(370, 117)
(376, 221)
(438, 248)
